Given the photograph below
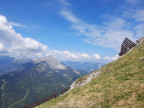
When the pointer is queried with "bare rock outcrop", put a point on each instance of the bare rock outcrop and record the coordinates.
(86, 79)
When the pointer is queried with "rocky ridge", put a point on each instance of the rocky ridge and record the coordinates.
(52, 62)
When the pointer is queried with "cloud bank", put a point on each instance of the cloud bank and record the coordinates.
(15, 45)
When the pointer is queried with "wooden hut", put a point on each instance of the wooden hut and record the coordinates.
(126, 46)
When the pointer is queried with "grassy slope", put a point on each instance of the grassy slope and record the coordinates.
(121, 85)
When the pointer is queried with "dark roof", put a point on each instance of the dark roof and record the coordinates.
(127, 44)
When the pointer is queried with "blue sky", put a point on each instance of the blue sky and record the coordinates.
(77, 30)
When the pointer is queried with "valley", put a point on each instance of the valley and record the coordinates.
(19, 101)
(34, 81)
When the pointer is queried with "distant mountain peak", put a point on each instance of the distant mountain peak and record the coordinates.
(52, 62)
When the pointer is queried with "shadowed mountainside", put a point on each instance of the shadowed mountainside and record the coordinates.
(35, 81)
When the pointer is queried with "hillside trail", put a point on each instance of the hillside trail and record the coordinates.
(3, 85)
(27, 92)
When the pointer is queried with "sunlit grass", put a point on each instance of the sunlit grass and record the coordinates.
(121, 84)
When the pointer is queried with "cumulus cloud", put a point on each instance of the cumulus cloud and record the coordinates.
(115, 57)
(67, 55)
(111, 58)
(107, 58)
(16, 45)
(84, 55)
(96, 56)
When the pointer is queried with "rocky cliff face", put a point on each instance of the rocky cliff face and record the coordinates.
(84, 80)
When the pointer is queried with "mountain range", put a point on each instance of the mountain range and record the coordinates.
(23, 82)
(84, 66)
(9, 64)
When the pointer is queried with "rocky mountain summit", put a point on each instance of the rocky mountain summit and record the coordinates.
(52, 62)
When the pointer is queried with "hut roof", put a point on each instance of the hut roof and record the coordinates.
(127, 44)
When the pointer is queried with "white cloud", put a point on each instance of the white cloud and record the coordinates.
(84, 55)
(111, 58)
(96, 56)
(70, 56)
(16, 45)
(16, 24)
(136, 14)
(110, 34)
(66, 55)
(115, 57)
(69, 16)
(139, 30)
(139, 15)
(114, 33)
(1, 47)
(32, 44)
(107, 58)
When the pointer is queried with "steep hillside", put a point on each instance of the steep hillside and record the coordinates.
(34, 81)
(119, 85)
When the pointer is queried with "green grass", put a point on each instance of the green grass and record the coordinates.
(121, 84)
